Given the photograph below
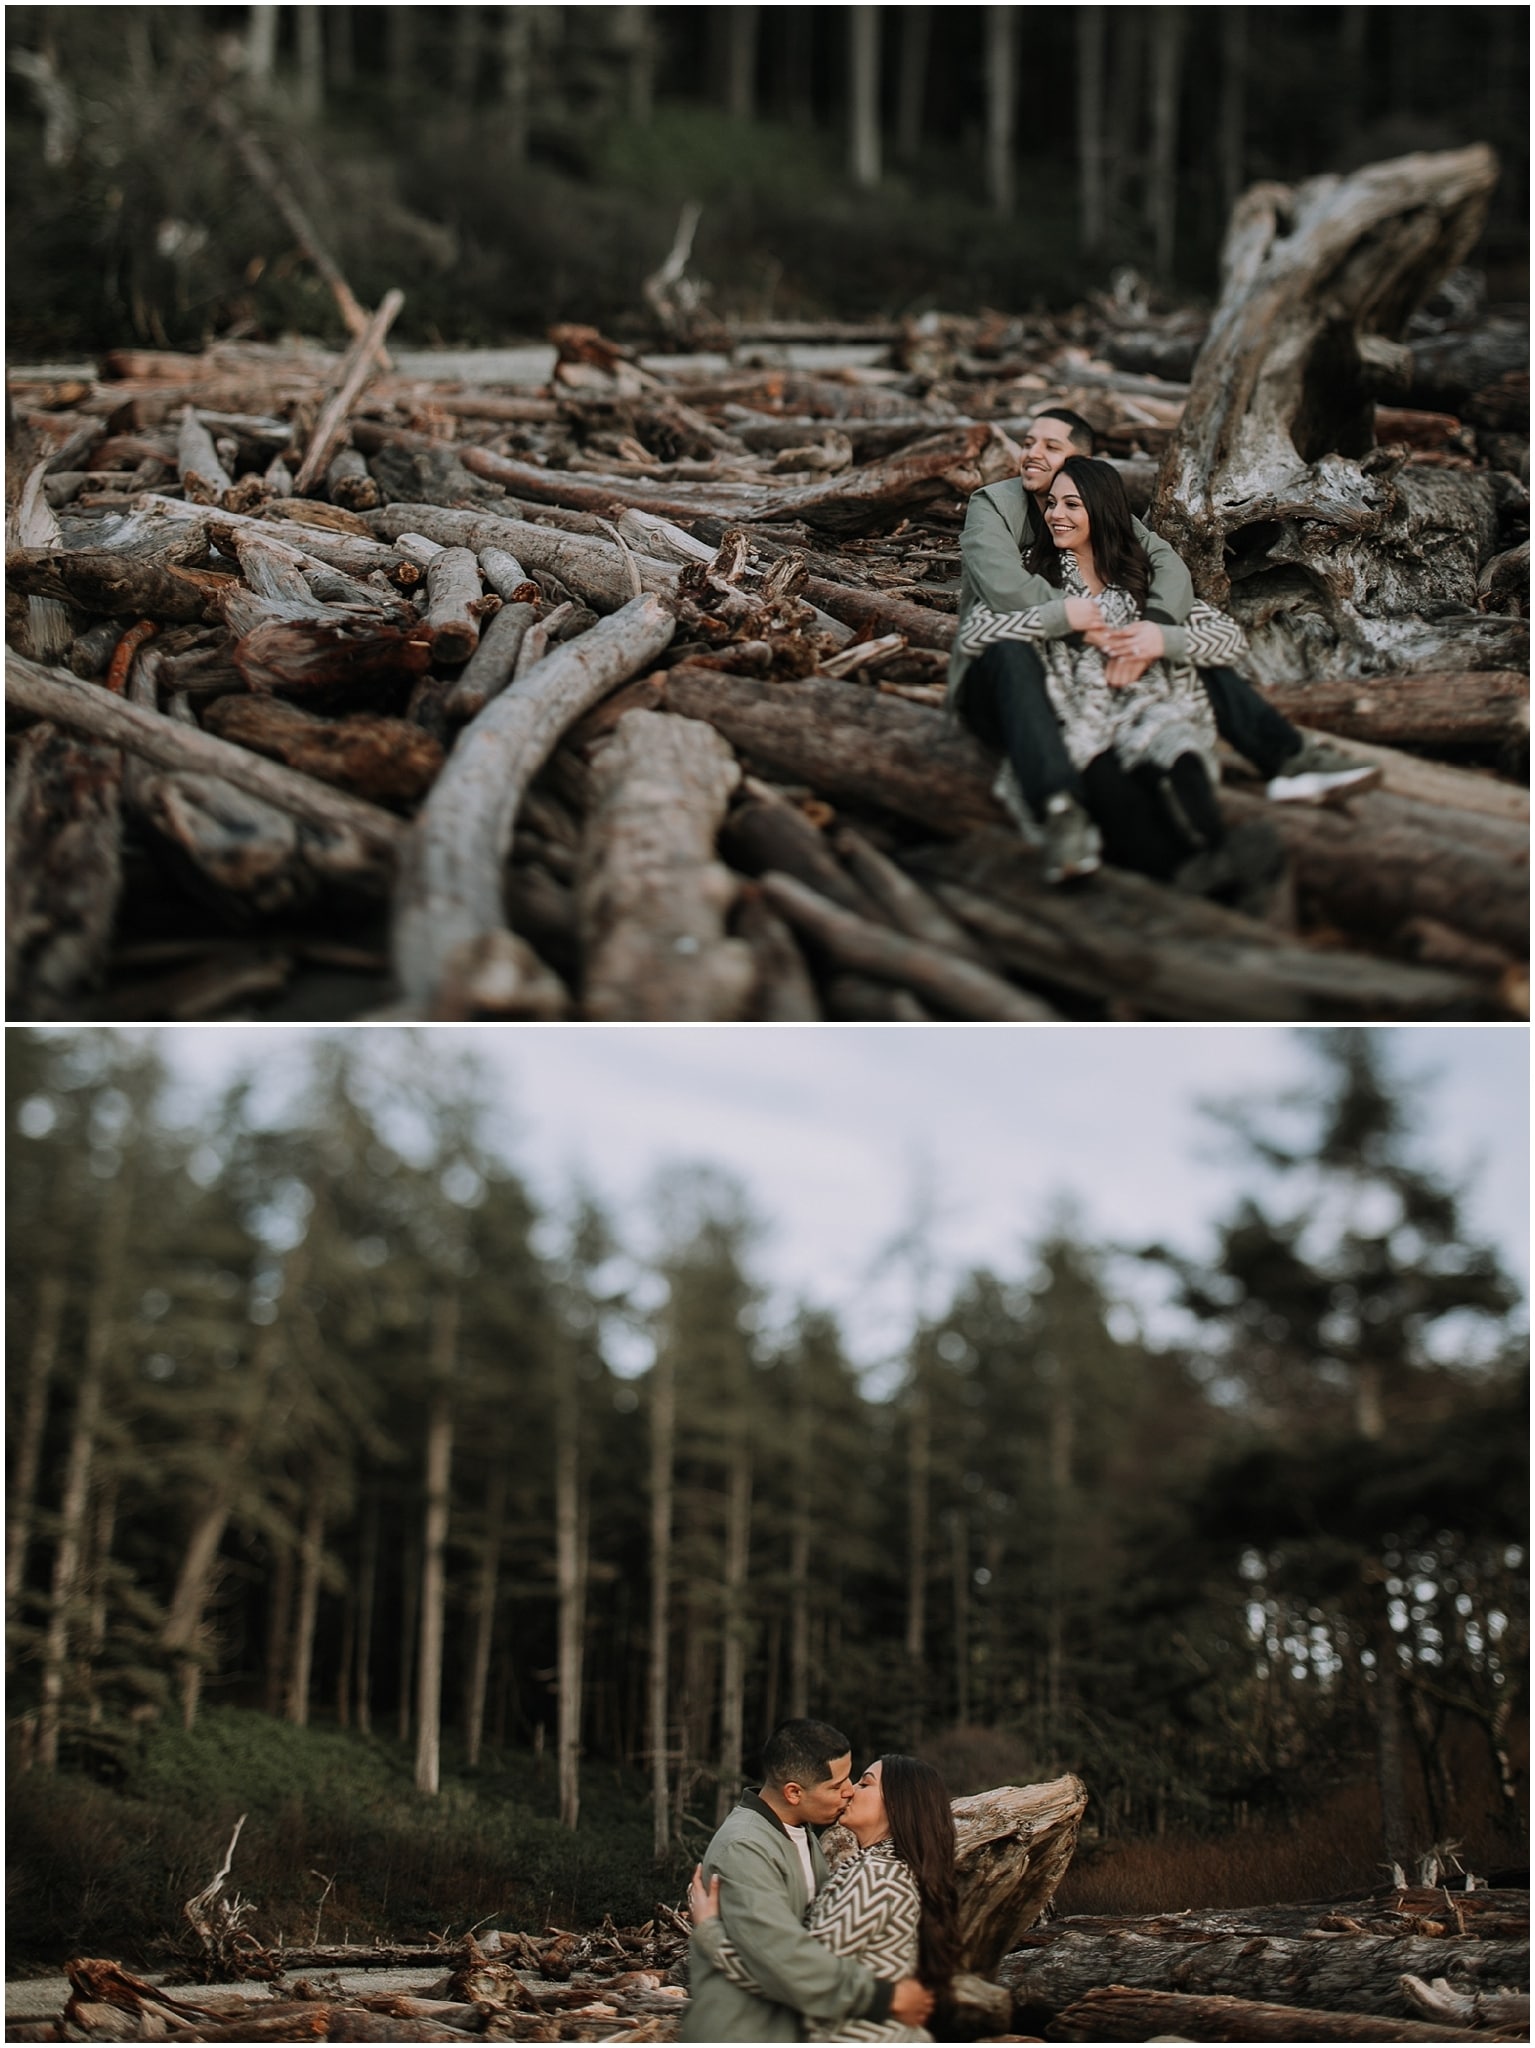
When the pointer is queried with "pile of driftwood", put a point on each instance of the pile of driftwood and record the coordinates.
(609, 1986)
(1402, 1965)
(335, 692)
(1013, 1846)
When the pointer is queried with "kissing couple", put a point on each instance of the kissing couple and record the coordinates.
(783, 1949)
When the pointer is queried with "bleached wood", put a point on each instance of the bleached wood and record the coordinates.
(451, 884)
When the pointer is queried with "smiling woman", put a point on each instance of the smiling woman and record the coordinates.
(1136, 721)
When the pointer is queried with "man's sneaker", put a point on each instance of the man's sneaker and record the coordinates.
(1073, 843)
(1322, 774)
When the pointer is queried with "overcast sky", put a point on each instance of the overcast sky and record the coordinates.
(830, 1130)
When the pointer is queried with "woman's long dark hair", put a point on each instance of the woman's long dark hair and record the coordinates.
(1117, 555)
(922, 1832)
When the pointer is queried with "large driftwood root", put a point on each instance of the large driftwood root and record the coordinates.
(1271, 486)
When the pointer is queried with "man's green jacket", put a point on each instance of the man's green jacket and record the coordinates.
(763, 1897)
(999, 529)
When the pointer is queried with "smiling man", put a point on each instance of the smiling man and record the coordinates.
(770, 1867)
(1001, 695)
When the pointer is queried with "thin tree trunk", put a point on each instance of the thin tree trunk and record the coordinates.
(663, 1437)
(1396, 1840)
(367, 1583)
(1090, 138)
(410, 1615)
(399, 47)
(199, 1560)
(516, 76)
(100, 1332)
(738, 1506)
(261, 51)
(741, 63)
(311, 1551)
(309, 85)
(571, 1589)
(800, 1512)
(796, 39)
(485, 1612)
(1001, 106)
(42, 1355)
(342, 53)
(434, 1543)
(346, 1651)
(1062, 1443)
(1369, 1411)
(916, 41)
(279, 1635)
(465, 53)
(918, 1472)
(1162, 179)
(1127, 117)
(103, 1527)
(959, 1541)
(863, 97)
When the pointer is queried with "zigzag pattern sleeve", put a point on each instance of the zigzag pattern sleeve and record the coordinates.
(871, 1911)
(1215, 641)
(982, 627)
(730, 1961)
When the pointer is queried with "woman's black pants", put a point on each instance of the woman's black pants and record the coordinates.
(1152, 819)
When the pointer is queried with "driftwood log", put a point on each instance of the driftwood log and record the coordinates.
(652, 897)
(1352, 1973)
(450, 894)
(1283, 1972)
(1117, 2013)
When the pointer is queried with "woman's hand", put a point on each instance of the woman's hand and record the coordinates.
(703, 1902)
(1143, 641)
(1128, 651)
(1082, 614)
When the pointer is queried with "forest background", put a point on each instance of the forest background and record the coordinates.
(470, 1542)
(509, 167)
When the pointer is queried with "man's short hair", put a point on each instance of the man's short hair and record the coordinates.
(1082, 434)
(801, 1752)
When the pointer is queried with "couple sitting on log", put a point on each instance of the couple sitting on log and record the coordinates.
(784, 1949)
(1084, 658)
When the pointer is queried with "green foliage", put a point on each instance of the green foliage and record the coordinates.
(99, 1871)
(702, 154)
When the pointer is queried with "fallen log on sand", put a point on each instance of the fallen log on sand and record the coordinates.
(1349, 1973)
(1115, 2013)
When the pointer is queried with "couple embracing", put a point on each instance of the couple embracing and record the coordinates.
(784, 1950)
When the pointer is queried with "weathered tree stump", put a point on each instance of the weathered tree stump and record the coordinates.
(1271, 488)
